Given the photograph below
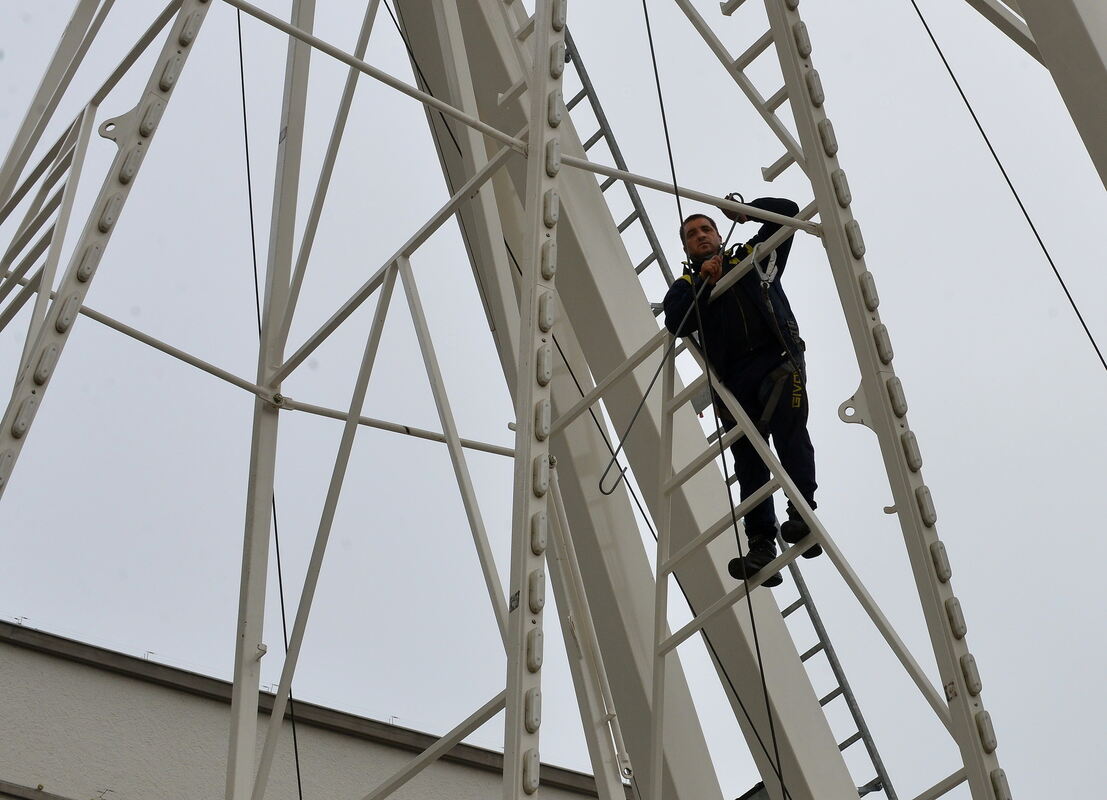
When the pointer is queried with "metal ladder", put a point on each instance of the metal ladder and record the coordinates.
(639, 215)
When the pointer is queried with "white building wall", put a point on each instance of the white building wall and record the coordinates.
(77, 719)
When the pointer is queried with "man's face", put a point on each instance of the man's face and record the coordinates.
(701, 240)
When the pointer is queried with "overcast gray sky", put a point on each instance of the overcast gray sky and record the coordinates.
(123, 521)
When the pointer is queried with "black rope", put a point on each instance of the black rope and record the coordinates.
(777, 766)
(1010, 185)
(661, 103)
(257, 306)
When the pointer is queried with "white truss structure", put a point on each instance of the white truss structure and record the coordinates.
(542, 245)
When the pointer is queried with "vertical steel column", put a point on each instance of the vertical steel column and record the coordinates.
(249, 648)
(880, 404)
(132, 133)
(538, 315)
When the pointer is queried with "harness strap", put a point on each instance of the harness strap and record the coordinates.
(779, 377)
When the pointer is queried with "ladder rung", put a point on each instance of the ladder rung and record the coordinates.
(595, 137)
(700, 461)
(724, 524)
(685, 394)
(730, 6)
(732, 479)
(583, 93)
(726, 601)
(626, 223)
(512, 94)
(792, 608)
(830, 696)
(774, 102)
(607, 184)
(813, 651)
(756, 49)
(771, 173)
(526, 30)
(652, 257)
(851, 740)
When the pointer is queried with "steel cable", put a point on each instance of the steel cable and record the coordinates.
(1010, 185)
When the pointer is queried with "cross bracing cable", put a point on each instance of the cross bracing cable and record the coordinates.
(257, 306)
(1010, 185)
(775, 762)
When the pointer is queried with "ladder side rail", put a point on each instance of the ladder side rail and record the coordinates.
(72, 46)
(971, 724)
(617, 155)
(719, 49)
(32, 385)
(83, 130)
(44, 204)
(819, 535)
(56, 159)
(808, 603)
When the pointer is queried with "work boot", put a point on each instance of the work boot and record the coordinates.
(762, 551)
(794, 529)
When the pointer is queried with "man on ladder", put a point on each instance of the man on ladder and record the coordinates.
(752, 341)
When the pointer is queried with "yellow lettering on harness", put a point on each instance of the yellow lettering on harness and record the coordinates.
(797, 391)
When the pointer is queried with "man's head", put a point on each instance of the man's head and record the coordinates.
(700, 237)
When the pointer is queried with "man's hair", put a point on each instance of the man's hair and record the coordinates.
(691, 217)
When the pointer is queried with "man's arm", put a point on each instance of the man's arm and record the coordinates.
(777, 205)
(678, 305)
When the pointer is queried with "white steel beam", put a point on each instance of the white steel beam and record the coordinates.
(82, 129)
(438, 749)
(877, 407)
(363, 293)
(1011, 24)
(602, 728)
(1072, 38)
(599, 299)
(373, 72)
(133, 136)
(538, 302)
(249, 647)
(326, 172)
(72, 46)
(322, 536)
(485, 555)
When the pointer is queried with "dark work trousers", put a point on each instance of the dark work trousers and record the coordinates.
(751, 385)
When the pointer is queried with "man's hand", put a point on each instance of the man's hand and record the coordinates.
(712, 269)
(735, 216)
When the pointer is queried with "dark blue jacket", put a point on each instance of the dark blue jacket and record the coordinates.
(749, 317)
